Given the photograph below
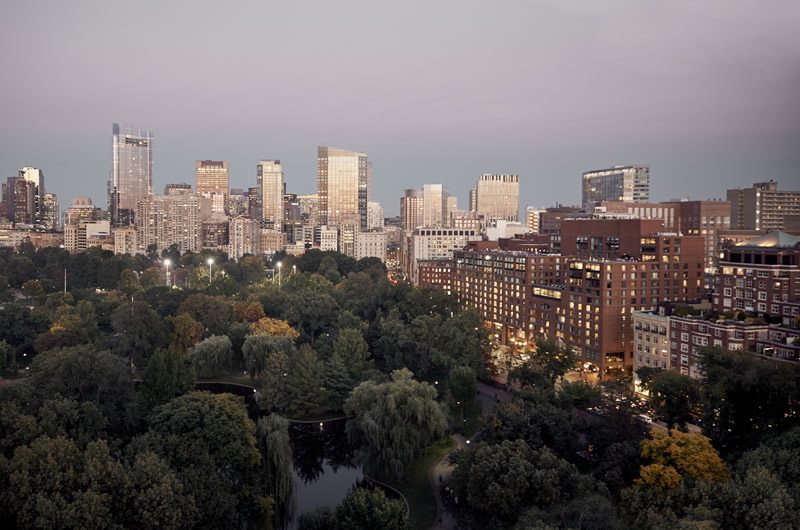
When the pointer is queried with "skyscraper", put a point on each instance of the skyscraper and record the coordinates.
(433, 205)
(36, 178)
(131, 178)
(411, 209)
(343, 183)
(618, 183)
(497, 197)
(211, 182)
(269, 178)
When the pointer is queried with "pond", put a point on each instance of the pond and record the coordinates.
(322, 466)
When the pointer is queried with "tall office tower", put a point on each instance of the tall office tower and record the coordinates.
(532, 215)
(131, 178)
(762, 207)
(18, 204)
(374, 216)
(497, 197)
(618, 183)
(433, 205)
(473, 200)
(211, 182)
(450, 208)
(343, 184)
(51, 217)
(411, 209)
(36, 178)
(269, 178)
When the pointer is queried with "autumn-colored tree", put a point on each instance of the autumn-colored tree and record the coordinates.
(249, 311)
(186, 332)
(274, 327)
(677, 455)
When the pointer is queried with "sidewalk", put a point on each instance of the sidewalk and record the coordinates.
(489, 397)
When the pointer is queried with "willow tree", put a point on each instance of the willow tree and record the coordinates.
(257, 349)
(392, 422)
(272, 433)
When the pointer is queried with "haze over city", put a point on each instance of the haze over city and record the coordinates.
(706, 94)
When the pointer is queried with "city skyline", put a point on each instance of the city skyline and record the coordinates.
(543, 103)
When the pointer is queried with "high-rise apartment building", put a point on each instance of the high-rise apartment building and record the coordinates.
(131, 178)
(497, 197)
(343, 184)
(618, 183)
(269, 178)
(170, 220)
(52, 212)
(532, 215)
(762, 207)
(36, 178)
(374, 216)
(18, 203)
(433, 205)
(411, 209)
(211, 181)
(244, 237)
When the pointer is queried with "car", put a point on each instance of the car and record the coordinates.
(645, 418)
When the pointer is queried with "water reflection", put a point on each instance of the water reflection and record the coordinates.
(322, 466)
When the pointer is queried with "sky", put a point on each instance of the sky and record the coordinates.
(706, 93)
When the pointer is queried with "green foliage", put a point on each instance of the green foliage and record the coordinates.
(462, 383)
(391, 422)
(273, 440)
(306, 382)
(167, 376)
(214, 313)
(370, 508)
(129, 283)
(140, 331)
(258, 348)
(211, 444)
(551, 359)
(539, 424)
(673, 395)
(211, 357)
(746, 398)
(351, 348)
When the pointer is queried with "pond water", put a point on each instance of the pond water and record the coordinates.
(322, 466)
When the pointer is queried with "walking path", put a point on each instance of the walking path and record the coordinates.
(489, 397)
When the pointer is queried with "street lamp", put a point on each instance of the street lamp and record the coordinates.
(210, 262)
(167, 263)
(279, 274)
(294, 269)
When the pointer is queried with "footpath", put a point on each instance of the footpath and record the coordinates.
(488, 396)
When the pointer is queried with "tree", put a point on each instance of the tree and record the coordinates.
(745, 397)
(371, 508)
(214, 313)
(276, 391)
(140, 331)
(210, 357)
(338, 381)
(552, 359)
(129, 283)
(497, 481)
(33, 288)
(249, 311)
(538, 423)
(166, 377)
(312, 310)
(186, 332)
(673, 395)
(84, 375)
(273, 440)
(351, 347)
(152, 277)
(210, 442)
(257, 348)
(391, 422)
(671, 457)
(5, 355)
(273, 326)
(306, 382)
(462, 383)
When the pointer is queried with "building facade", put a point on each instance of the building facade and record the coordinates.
(343, 187)
(497, 197)
(762, 207)
(269, 177)
(618, 183)
(131, 178)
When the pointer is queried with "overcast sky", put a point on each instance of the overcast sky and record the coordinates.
(707, 93)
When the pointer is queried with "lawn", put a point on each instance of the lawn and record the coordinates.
(417, 487)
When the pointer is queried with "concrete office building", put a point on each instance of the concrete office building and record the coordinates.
(618, 183)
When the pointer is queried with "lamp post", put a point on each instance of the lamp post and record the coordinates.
(167, 263)
(279, 274)
(210, 262)
(294, 269)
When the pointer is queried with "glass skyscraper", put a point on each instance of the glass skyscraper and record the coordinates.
(343, 184)
(131, 178)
